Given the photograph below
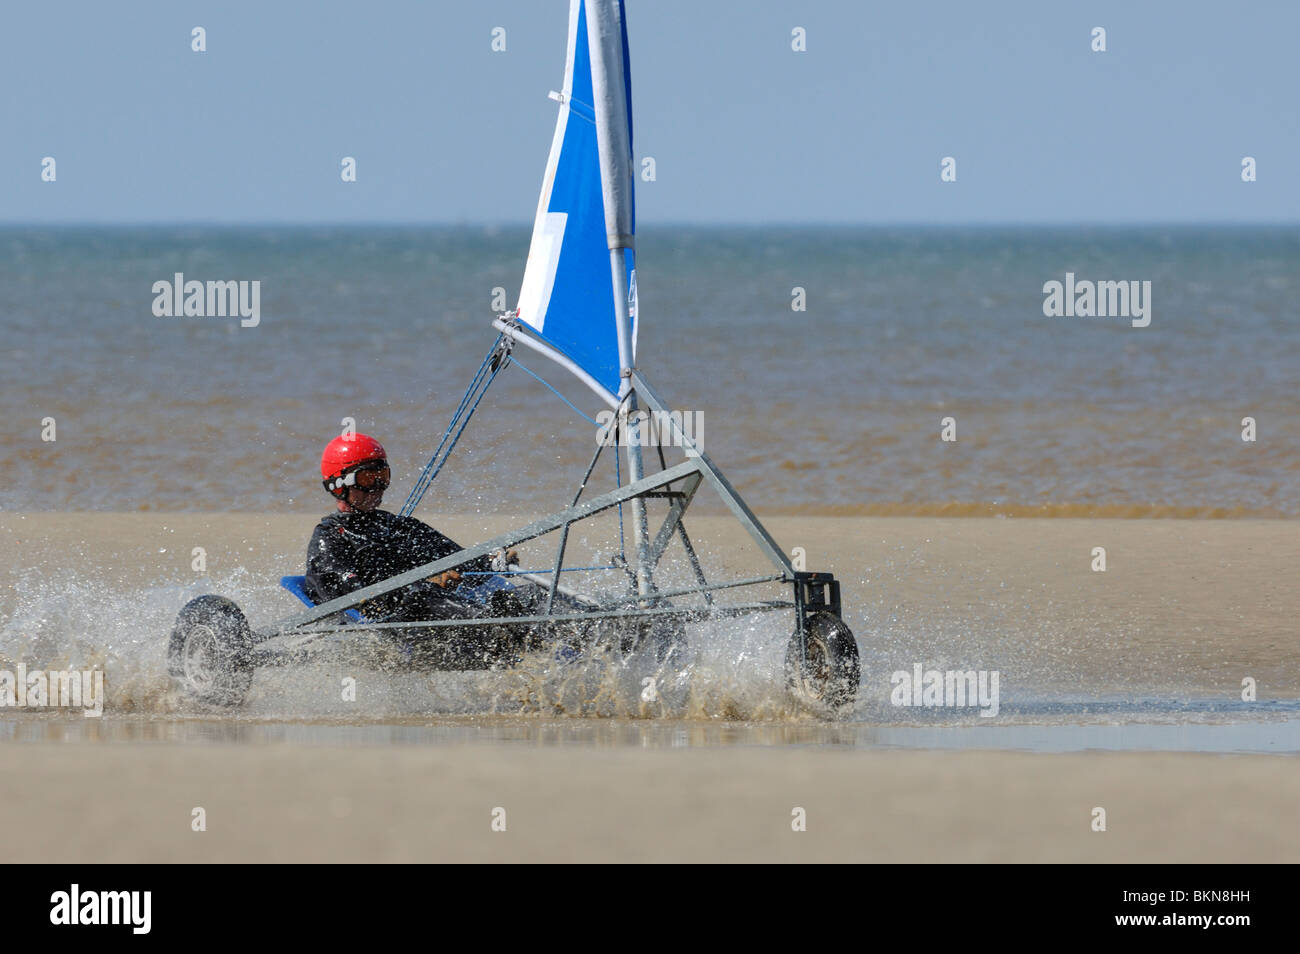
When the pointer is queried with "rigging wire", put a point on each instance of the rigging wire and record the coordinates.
(480, 385)
(500, 351)
(521, 366)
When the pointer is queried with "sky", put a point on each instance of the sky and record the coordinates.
(742, 128)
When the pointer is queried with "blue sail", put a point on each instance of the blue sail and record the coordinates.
(570, 296)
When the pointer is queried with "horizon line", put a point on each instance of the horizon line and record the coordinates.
(665, 224)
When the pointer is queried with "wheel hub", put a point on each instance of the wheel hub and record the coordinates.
(200, 656)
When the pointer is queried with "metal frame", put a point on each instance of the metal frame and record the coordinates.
(677, 484)
(693, 472)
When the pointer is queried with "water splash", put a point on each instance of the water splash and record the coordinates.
(728, 670)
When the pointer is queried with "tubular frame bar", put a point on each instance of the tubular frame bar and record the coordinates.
(537, 528)
(518, 334)
(564, 532)
(673, 519)
(748, 519)
(692, 614)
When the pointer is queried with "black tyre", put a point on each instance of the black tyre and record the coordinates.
(210, 651)
(832, 669)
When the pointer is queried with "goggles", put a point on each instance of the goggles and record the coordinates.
(370, 476)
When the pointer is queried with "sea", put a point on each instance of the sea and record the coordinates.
(829, 370)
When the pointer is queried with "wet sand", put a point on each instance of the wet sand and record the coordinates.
(1185, 609)
(407, 803)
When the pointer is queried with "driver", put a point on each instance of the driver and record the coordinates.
(358, 545)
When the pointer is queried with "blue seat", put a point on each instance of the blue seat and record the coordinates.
(295, 585)
(477, 591)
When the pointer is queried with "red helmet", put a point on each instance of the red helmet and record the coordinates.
(345, 454)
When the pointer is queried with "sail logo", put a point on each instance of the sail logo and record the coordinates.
(1106, 299)
(953, 689)
(683, 429)
(54, 688)
(132, 908)
(195, 299)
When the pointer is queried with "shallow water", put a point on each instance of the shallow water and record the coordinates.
(1115, 726)
(727, 690)
(833, 409)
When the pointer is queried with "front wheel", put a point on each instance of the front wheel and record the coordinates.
(210, 651)
(829, 671)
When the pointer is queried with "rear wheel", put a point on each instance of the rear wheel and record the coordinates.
(829, 672)
(210, 651)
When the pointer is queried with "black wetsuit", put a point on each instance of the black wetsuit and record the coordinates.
(351, 549)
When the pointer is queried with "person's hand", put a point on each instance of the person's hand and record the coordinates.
(445, 580)
(503, 559)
